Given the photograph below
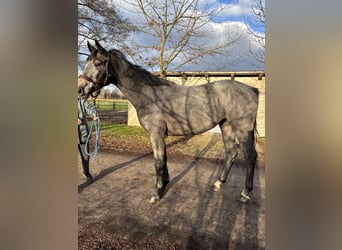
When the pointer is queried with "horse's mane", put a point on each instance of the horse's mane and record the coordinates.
(147, 76)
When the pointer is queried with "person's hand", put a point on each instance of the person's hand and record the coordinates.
(95, 117)
(79, 121)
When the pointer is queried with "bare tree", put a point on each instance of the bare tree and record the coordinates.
(100, 20)
(257, 20)
(180, 31)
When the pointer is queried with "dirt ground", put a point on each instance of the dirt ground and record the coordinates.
(114, 211)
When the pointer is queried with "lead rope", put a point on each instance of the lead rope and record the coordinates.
(96, 124)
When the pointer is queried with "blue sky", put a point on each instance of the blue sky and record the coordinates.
(239, 10)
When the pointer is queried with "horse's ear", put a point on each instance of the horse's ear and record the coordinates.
(99, 47)
(90, 47)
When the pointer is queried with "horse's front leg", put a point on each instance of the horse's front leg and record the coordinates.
(162, 174)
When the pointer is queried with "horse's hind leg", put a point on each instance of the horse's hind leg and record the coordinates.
(162, 174)
(229, 142)
(250, 154)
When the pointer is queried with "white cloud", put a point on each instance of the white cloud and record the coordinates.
(237, 10)
(234, 11)
(235, 58)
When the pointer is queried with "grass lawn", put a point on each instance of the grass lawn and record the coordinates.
(123, 138)
(121, 130)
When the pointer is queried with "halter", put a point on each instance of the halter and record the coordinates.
(97, 82)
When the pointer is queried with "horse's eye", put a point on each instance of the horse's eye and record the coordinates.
(97, 64)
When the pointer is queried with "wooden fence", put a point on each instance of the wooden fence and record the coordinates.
(110, 104)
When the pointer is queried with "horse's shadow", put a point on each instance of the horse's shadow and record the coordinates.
(111, 169)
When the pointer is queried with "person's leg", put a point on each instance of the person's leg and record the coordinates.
(85, 161)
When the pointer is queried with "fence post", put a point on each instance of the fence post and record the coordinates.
(113, 105)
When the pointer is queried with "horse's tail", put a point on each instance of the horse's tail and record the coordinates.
(256, 91)
(256, 133)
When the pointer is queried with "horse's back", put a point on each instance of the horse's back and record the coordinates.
(236, 86)
(236, 93)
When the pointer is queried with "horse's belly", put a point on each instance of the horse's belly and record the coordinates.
(189, 126)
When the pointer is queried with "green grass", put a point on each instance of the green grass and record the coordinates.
(122, 131)
(109, 130)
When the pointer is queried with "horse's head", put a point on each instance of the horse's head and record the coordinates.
(96, 71)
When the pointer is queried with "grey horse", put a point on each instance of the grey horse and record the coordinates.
(165, 108)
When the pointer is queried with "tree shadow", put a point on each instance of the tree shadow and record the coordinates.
(237, 224)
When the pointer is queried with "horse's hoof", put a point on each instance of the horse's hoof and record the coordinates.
(244, 197)
(154, 199)
(216, 186)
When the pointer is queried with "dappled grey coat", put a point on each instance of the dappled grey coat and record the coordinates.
(84, 109)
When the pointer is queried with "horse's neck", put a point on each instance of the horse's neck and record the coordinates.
(133, 92)
(134, 83)
(126, 89)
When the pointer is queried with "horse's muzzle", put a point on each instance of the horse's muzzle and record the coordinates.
(87, 78)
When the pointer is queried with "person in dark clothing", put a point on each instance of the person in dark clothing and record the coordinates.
(85, 109)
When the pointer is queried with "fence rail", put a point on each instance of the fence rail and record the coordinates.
(110, 104)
